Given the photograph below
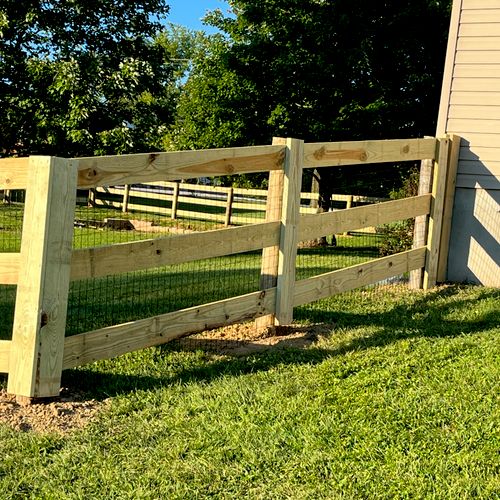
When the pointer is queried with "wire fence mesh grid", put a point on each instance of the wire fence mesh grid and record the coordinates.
(11, 223)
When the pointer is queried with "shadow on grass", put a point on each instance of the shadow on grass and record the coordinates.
(426, 316)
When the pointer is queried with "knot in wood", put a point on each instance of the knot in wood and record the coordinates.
(152, 157)
(319, 153)
(363, 156)
(89, 173)
(406, 149)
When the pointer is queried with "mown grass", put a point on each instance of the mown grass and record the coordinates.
(399, 400)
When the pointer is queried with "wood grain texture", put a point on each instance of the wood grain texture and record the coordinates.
(421, 222)
(437, 212)
(14, 173)
(270, 254)
(129, 169)
(145, 254)
(115, 340)
(317, 225)
(342, 280)
(289, 238)
(328, 154)
(4, 355)
(9, 268)
(449, 198)
(42, 291)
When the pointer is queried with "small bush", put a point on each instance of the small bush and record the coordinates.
(399, 234)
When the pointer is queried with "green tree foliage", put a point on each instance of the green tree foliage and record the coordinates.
(319, 70)
(84, 77)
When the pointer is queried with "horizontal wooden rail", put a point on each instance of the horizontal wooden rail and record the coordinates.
(188, 214)
(4, 355)
(14, 173)
(210, 189)
(125, 257)
(176, 165)
(9, 268)
(328, 154)
(340, 221)
(343, 280)
(115, 340)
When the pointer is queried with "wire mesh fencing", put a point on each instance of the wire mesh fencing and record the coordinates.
(11, 223)
(160, 210)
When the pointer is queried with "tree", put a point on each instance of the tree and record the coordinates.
(319, 70)
(83, 78)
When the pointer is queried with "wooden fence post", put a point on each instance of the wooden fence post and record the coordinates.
(289, 237)
(449, 199)
(348, 205)
(92, 197)
(229, 206)
(422, 221)
(126, 196)
(270, 255)
(175, 201)
(436, 216)
(42, 293)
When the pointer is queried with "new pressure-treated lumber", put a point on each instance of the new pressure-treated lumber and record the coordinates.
(126, 196)
(176, 165)
(317, 225)
(115, 340)
(9, 268)
(342, 280)
(4, 355)
(436, 216)
(326, 154)
(102, 261)
(229, 205)
(40, 314)
(449, 198)
(270, 254)
(421, 222)
(14, 173)
(289, 238)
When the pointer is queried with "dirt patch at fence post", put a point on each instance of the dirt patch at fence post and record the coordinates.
(69, 412)
(244, 339)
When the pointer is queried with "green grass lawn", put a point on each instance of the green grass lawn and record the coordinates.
(399, 400)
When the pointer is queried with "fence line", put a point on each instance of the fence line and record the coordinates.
(100, 197)
(38, 351)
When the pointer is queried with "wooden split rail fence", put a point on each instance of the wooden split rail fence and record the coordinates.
(42, 271)
(168, 197)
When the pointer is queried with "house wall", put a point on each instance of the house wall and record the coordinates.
(470, 108)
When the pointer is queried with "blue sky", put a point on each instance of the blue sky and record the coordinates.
(189, 12)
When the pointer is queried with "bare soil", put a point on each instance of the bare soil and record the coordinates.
(73, 410)
(244, 339)
(69, 412)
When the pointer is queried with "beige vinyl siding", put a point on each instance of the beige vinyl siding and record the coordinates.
(470, 108)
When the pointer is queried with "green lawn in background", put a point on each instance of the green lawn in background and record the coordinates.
(399, 400)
